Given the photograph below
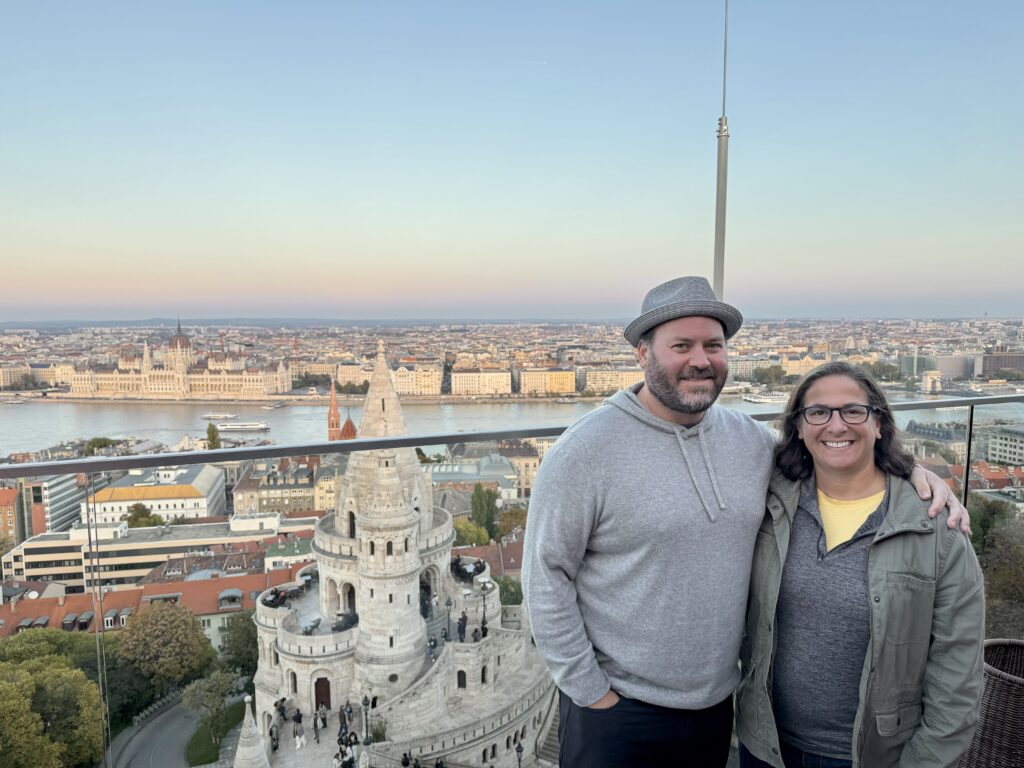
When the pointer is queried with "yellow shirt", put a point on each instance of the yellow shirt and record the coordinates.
(842, 518)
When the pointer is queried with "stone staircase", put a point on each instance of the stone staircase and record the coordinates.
(549, 749)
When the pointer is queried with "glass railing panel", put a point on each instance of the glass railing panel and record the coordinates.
(996, 502)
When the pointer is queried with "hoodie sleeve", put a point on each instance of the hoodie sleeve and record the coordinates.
(564, 509)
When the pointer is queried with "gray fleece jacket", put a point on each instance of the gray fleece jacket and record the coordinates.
(638, 547)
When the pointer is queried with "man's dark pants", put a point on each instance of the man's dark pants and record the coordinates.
(633, 733)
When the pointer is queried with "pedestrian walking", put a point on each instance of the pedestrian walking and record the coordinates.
(275, 738)
(476, 634)
(322, 712)
(316, 729)
(405, 760)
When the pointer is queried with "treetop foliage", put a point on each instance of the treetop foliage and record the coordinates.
(167, 644)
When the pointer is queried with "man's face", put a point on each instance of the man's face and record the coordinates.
(685, 366)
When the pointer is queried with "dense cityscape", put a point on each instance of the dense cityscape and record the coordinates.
(95, 552)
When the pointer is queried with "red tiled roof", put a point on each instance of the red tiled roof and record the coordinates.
(510, 558)
(201, 597)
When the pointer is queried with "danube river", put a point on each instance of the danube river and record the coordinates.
(36, 424)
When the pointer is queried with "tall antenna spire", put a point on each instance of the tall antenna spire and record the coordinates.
(723, 173)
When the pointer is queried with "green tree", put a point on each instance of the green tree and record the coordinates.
(1003, 564)
(98, 442)
(22, 741)
(468, 533)
(985, 515)
(166, 642)
(69, 705)
(212, 437)
(139, 516)
(773, 374)
(511, 519)
(128, 690)
(351, 388)
(207, 695)
(38, 643)
(241, 647)
(485, 510)
(883, 371)
(509, 590)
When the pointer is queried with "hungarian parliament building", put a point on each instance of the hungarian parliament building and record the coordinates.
(181, 376)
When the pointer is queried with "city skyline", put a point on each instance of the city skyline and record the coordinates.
(495, 162)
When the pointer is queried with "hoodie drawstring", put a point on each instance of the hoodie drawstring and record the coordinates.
(697, 486)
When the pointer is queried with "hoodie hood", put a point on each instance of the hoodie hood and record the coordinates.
(692, 443)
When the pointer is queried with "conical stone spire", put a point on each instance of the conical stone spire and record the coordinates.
(382, 415)
(251, 752)
(333, 417)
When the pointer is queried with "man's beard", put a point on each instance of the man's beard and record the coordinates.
(664, 388)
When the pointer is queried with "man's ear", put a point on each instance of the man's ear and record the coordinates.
(641, 353)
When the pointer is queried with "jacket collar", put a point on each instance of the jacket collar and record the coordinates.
(906, 512)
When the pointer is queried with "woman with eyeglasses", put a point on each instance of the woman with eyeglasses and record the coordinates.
(865, 622)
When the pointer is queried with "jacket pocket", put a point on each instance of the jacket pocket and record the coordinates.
(909, 603)
(905, 718)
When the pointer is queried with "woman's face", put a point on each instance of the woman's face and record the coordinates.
(836, 445)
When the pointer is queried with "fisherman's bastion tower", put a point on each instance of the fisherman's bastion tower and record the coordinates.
(353, 627)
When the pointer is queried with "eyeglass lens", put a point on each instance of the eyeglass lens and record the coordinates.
(851, 414)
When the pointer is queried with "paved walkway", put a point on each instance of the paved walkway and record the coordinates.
(159, 743)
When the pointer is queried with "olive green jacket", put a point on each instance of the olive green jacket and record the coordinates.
(920, 691)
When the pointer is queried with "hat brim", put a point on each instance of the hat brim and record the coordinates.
(728, 316)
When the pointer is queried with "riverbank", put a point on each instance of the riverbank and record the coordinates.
(345, 401)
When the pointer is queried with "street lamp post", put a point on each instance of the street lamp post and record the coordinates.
(448, 605)
(519, 754)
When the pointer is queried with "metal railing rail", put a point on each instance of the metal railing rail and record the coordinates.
(184, 458)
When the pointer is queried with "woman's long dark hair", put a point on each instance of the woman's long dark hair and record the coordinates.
(792, 457)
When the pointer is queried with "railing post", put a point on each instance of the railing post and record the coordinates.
(967, 456)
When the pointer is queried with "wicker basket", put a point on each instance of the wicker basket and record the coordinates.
(999, 740)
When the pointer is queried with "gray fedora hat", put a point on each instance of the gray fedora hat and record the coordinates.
(682, 297)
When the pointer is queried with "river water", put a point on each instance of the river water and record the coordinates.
(36, 425)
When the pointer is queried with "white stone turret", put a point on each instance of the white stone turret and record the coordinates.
(384, 493)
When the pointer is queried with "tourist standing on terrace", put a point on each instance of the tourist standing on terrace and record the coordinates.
(638, 547)
(878, 612)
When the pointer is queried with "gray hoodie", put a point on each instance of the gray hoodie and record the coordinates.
(637, 554)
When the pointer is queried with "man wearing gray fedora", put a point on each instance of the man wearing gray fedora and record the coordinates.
(638, 547)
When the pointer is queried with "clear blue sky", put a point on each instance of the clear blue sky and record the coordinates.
(507, 159)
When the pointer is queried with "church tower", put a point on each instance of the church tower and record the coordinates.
(385, 492)
(333, 417)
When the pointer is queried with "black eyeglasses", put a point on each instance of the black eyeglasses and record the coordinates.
(852, 413)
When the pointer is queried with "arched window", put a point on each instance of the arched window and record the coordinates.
(462, 679)
(277, 660)
(294, 682)
(372, 548)
(390, 549)
(494, 751)
(508, 742)
(483, 674)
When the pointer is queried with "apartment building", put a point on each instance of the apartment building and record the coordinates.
(605, 381)
(547, 381)
(277, 488)
(485, 381)
(1006, 445)
(417, 379)
(10, 513)
(168, 492)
